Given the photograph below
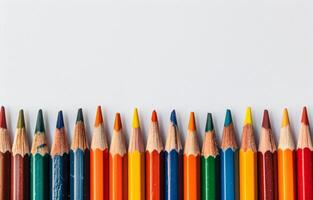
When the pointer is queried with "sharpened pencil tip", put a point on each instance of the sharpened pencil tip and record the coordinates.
(117, 122)
(228, 118)
(285, 120)
(192, 122)
(99, 119)
(173, 118)
(248, 118)
(40, 126)
(266, 120)
(3, 122)
(154, 116)
(209, 123)
(305, 118)
(21, 121)
(136, 123)
(80, 116)
(60, 121)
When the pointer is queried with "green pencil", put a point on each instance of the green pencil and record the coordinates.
(39, 163)
(210, 164)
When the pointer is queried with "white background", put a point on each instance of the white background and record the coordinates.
(191, 55)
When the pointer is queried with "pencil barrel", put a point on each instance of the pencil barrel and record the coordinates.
(20, 177)
(60, 177)
(173, 175)
(118, 177)
(210, 178)
(5, 172)
(191, 177)
(39, 179)
(136, 176)
(304, 174)
(154, 175)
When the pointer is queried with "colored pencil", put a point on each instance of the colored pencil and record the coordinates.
(210, 164)
(136, 162)
(173, 157)
(99, 161)
(39, 162)
(304, 160)
(286, 161)
(118, 163)
(192, 162)
(20, 162)
(248, 161)
(267, 162)
(5, 157)
(229, 161)
(154, 162)
(79, 161)
(60, 162)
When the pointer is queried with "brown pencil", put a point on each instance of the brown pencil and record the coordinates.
(5, 158)
(20, 162)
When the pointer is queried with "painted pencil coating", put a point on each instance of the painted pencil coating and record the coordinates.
(79, 162)
(154, 162)
(59, 163)
(118, 163)
(5, 157)
(20, 162)
(173, 157)
(99, 161)
(304, 160)
(210, 164)
(229, 161)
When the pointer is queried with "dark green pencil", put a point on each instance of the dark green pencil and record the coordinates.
(39, 163)
(210, 164)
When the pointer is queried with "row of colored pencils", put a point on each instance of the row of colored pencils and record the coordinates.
(156, 171)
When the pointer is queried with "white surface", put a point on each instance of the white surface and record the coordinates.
(191, 55)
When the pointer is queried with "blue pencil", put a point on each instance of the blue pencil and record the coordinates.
(59, 163)
(173, 157)
(79, 161)
(229, 161)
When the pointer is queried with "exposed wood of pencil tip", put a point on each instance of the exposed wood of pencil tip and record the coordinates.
(286, 140)
(154, 141)
(191, 143)
(99, 138)
(20, 145)
(228, 136)
(267, 140)
(5, 143)
(118, 145)
(40, 144)
(248, 140)
(304, 140)
(136, 141)
(79, 138)
(60, 145)
(173, 141)
(209, 147)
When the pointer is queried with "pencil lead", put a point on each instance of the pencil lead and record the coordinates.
(305, 119)
(80, 116)
(60, 121)
(99, 119)
(21, 121)
(173, 117)
(209, 123)
(154, 117)
(192, 122)
(3, 122)
(40, 126)
(136, 123)
(285, 120)
(248, 118)
(228, 118)
(266, 123)
(117, 122)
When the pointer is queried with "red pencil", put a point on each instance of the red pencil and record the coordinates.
(304, 160)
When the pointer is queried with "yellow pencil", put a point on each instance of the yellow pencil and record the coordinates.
(136, 162)
(248, 161)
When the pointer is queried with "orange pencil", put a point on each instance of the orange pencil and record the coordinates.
(154, 162)
(286, 161)
(191, 163)
(99, 161)
(118, 163)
